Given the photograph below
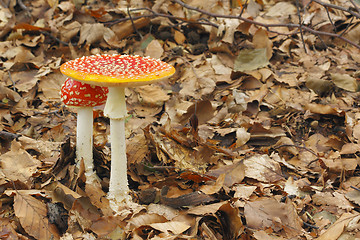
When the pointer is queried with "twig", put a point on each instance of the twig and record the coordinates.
(329, 17)
(355, 6)
(24, 7)
(158, 15)
(267, 26)
(55, 38)
(357, 189)
(133, 24)
(13, 83)
(301, 25)
(347, 27)
(310, 225)
(338, 7)
(300, 147)
(243, 8)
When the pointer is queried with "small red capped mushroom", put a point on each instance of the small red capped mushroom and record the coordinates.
(84, 97)
(79, 94)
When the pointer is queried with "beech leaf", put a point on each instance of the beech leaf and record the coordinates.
(251, 59)
(32, 214)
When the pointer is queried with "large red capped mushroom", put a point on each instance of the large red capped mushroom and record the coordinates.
(117, 72)
(84, 97)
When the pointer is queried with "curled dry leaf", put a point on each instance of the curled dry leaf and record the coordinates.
(323, 109)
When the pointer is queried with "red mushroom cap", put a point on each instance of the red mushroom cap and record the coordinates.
(117, 70)
(78, 94)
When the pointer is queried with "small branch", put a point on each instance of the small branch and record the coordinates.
(301, 28)
(355, 6)
(331, 22)
(13, 83)
(301, 24)
(338, 7)
(55, 38)
(243, 8)
(24, 7)
(357, 189)
(158, 15)
(296, 146)
(133, 24)
(267, 26)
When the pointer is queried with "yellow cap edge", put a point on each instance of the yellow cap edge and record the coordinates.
(106, 81)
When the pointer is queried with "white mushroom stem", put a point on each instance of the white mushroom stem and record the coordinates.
(115, 109)
(84, 141)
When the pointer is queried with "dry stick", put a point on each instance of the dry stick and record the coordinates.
(54, 38)
(24, 7)
(301, 24)
(157, 15)
(133, 24)
(355, 6)
(338, 7)
(331, 21)
(267, 26)
(13, 83)
(357, 189)
(243, 8)
(347, 27)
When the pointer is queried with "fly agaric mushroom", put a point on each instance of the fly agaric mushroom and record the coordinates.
(117, 72)
(84, 97)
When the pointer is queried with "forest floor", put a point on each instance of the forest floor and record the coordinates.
(256, 135)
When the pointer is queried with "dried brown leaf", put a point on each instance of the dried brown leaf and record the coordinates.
(145, 219)
(234, 173)
(18, 164)
(91, 33)
(236, 227)
(345, 82)
(323, 109)
(7, 231)
(265, 213)
(353, 196)
(214, 188)
(32, 214)
(154, 49)
(205, 209)
(263, 168)
(261, 40)
(175, 227)
(336, 229)
(152, 95)
(332, 199)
